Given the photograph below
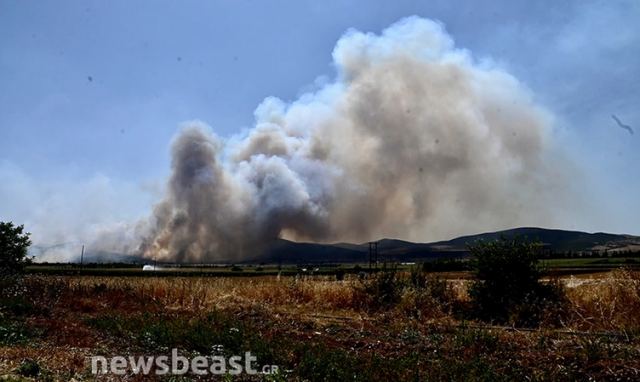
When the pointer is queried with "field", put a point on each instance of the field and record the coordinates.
(559, 266)
(383, 327)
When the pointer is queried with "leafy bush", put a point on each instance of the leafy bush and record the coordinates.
(507, 288)
(14, 243)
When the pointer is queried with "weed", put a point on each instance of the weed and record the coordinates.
(13, 332)
(319, 363)
(28, 368)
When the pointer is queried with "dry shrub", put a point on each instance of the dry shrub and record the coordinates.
(611, 303)
(382, 290)
(415, 294)
(420, 304)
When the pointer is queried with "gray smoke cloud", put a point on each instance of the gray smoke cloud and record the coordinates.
(414, 139)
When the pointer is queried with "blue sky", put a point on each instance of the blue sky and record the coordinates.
(91, 92)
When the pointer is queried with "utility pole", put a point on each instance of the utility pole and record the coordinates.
(82, 257)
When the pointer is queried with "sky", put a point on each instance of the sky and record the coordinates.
(92, 92)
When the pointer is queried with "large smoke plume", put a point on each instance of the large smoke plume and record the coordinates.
(414, 139)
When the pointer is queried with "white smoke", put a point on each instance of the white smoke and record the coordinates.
(414, 139)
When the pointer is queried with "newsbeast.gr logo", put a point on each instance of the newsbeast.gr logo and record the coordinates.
(179, 365)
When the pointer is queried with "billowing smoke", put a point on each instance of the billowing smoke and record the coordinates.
(415, 139)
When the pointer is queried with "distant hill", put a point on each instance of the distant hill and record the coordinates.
(557, 240)
(404, 251)
(289, 252)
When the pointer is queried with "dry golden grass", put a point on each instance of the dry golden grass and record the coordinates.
(610, 302)
(316, 293)
(341, 315)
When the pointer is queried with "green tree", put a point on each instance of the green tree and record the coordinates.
(507, 286)
(14, 243)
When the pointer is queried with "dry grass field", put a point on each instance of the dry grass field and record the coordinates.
(317, 328)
